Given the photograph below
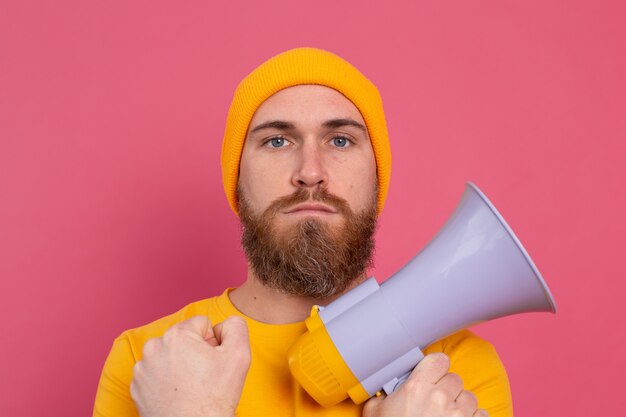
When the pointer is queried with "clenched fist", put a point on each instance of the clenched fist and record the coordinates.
(430, 391)
(193, 370)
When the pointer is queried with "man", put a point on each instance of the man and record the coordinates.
(306, 165)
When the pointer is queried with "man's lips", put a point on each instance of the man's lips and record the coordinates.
(311, 207)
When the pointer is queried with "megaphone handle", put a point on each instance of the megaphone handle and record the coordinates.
(395, 383)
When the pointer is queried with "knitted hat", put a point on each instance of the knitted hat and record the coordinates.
(296, 67)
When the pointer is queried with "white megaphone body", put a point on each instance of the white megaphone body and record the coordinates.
(370, 338)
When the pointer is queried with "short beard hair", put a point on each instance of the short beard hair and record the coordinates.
(310, 259)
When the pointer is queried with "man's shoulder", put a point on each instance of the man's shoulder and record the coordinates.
(463, 347)
(460, 342)
(136, 337)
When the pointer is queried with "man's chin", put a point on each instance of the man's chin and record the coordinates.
(306, 254)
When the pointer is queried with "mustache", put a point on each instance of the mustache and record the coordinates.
(303, 195)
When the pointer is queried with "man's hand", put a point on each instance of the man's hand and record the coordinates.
(430, 391)
(193, 370)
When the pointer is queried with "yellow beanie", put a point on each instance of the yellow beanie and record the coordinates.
(296, 67)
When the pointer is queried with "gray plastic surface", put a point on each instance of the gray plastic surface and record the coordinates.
(474, 270)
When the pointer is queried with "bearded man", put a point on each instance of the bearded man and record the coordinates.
(306, 166)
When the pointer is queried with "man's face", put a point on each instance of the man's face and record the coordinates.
(307, 192)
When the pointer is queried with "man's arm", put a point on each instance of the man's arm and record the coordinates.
(193, 370)
(113, 395)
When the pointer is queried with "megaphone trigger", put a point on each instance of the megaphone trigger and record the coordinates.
(395, 383)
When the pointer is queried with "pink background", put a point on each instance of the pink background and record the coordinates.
(111, 207)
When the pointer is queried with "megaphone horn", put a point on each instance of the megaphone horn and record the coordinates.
(370, 338)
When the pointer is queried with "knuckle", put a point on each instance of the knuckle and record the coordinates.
(440, 397)
(457, 413)
(133, 390)
(481, 413)
(440, 359)
(137, 370)
(414, 386)
(172, 333)
(470, 398)
(455, 379)
(150, 347)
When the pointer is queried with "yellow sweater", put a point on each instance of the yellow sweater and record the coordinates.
(269, 389)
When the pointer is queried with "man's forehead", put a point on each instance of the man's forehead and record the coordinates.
(301, 103)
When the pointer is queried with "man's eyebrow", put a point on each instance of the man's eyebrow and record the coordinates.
(274, 124)
(335, 123)
(329, 124)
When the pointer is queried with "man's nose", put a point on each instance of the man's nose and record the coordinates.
(310, 170)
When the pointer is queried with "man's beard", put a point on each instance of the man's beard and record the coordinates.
(310, 258)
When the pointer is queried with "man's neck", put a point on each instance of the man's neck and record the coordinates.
(268, 305)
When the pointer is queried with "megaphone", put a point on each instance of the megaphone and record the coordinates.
(369, 339)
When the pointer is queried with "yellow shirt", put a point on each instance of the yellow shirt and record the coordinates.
(269, 389)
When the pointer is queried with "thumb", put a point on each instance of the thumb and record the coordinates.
(232, 333)
(432, 368)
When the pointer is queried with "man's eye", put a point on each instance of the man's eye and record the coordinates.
(341, 142)
(276, 142)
